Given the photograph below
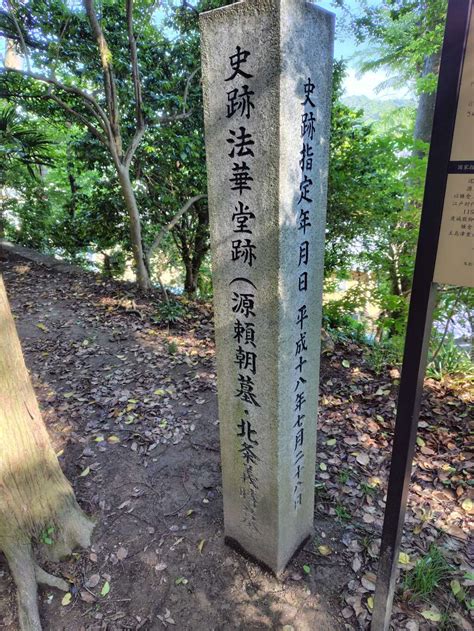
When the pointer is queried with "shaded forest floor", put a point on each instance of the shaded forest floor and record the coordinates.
(131, 408)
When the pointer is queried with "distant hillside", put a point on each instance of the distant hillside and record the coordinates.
(374, 109)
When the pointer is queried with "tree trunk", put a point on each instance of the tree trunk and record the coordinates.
(143, 278)
(190, 280)
(426, 105)
(34, 493)
(107, 266)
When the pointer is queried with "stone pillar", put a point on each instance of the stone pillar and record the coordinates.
(267, 69)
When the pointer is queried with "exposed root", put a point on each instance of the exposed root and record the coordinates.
(22, 566)
(74, 529)
(44, 578)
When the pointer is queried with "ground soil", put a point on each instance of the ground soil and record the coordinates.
(131, 408)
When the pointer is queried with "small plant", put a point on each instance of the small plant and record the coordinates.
(47, 536)
(342, 513)
(172, 347)
(449, 359)
(368, 489)
(169, 312)
(344, 476)
(428, 573)
(383, 354)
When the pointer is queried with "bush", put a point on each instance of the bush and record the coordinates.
(169, 312)
(449, 360)
(386, 353)
(342, 326)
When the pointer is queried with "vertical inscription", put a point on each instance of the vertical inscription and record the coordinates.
(240, 108)
(304, 227)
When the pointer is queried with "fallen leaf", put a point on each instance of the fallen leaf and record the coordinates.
(467, 505)
(363, 458)
(403, 558)
(429, 614)
(87, 597)
(346, 363)
(159, 567)
(306, 569)
(347, 612)
(356, 563)
(201, 545)
(368, 581)
(85, 472)
(105, 589)
(44, 328)
(122, 554)
(66, 599)
(324, 550)
(370, 603)
(455, 587)
(92, 581)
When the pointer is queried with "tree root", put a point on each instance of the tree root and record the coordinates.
(22, 566)
(75, 530)
(44, 578)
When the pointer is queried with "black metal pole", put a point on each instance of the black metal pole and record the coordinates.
(422, 302)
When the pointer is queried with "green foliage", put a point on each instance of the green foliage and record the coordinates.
(172, 348)
(342, 513)
(429, 571)
(344, 476)
(22, 143)
(114, 264)
(169, 312)
(401, 35)
(449, 360)
(387, 353)
(47, 536)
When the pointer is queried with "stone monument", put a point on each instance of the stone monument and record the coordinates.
(267, 70)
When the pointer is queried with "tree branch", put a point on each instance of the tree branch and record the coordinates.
(99, 113)
(28, 41)
(448, 322)
(133, 146)
(20, 34)
(136, 87)
(134, 62)
(108, 73)
(173, 118)
(185, 114)
(186, 88)
(80, 118)
(164, 231)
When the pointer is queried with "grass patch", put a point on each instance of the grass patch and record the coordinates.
(429, 571)
(342, 513)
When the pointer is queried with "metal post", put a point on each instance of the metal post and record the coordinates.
(421, 308)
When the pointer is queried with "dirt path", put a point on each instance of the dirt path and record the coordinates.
(131, 408)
